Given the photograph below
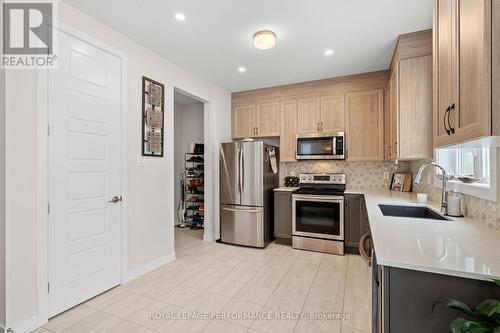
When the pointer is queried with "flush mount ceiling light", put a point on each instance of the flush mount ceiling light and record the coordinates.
(329, 52)
(242, 69)
(180, 17)
(264, 39)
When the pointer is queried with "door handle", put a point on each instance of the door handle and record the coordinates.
(361, 247)
(322, 127)
(444, 120)
(452, 130)
(238, 167)
(115, 199)
(242, 167)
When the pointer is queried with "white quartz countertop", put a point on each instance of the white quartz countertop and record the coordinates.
(460, 247)
(286, 189)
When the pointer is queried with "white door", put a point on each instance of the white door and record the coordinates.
(84, 174)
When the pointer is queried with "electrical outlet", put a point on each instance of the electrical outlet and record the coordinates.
(386, 175)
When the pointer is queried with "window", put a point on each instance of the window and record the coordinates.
(475, 162)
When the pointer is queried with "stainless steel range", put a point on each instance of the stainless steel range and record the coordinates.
(318, 213)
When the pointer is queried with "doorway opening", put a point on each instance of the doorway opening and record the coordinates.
(189, 155)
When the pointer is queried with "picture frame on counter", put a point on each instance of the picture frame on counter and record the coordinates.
(402, 182)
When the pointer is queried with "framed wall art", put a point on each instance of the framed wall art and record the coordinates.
(401, 182)
(153, 94)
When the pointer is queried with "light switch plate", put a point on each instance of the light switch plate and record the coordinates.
(386, 175)
(141, 162)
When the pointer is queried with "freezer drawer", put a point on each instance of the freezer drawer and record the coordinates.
(242, 225)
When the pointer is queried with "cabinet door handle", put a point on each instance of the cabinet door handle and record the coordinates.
(361, 247)
(444, 120)
(452, 130)
(322, 127)
(317, 126)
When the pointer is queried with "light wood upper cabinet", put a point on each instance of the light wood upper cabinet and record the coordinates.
(243, 121)
(474, 106)
(332, 114)
(387, 124)
(308, 115)
(323, 114)
(466, 34)
(267, 119)
(256, 120)
(288, 124)
(414, 132)
(444, 60)
(393, 113)
(315, 107)
(409, 108)
(365, 126)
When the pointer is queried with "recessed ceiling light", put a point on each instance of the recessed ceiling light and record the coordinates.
(180, 17)
(329, 52)
(242, 69)
(264, 39)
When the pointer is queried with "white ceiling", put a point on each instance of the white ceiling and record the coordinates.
(216, 37)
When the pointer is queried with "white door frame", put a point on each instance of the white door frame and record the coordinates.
(208, 232)
(42, 169)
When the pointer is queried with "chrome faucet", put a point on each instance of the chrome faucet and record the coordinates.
(444, 194)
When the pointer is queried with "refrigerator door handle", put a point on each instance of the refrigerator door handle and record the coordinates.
(238, 167)
(242, 169)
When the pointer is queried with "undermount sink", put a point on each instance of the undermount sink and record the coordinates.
(411, 211)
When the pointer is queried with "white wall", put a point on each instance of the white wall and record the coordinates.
(21, 200)
(2, 189)
(217, 130)
(2, 198)
(150, 220)
(188, 120)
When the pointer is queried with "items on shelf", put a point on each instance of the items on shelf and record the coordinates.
(194, 188)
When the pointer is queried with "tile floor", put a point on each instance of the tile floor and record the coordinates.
(211, 277)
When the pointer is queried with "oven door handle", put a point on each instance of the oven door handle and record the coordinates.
(320, 198)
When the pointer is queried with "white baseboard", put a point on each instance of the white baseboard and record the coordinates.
(134, 273)
(24, 325)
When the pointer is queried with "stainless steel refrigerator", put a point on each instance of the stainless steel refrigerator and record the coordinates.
(247, 182)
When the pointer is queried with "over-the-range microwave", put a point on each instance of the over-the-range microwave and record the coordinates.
(321, 146)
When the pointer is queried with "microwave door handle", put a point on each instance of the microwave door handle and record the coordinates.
(334, 148)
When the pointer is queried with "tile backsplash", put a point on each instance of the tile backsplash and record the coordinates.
(484, 211)
(366, 175)
(370, 175)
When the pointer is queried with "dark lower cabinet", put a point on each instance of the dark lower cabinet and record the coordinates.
(406, 298)
(355, 221)
(283, 217)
